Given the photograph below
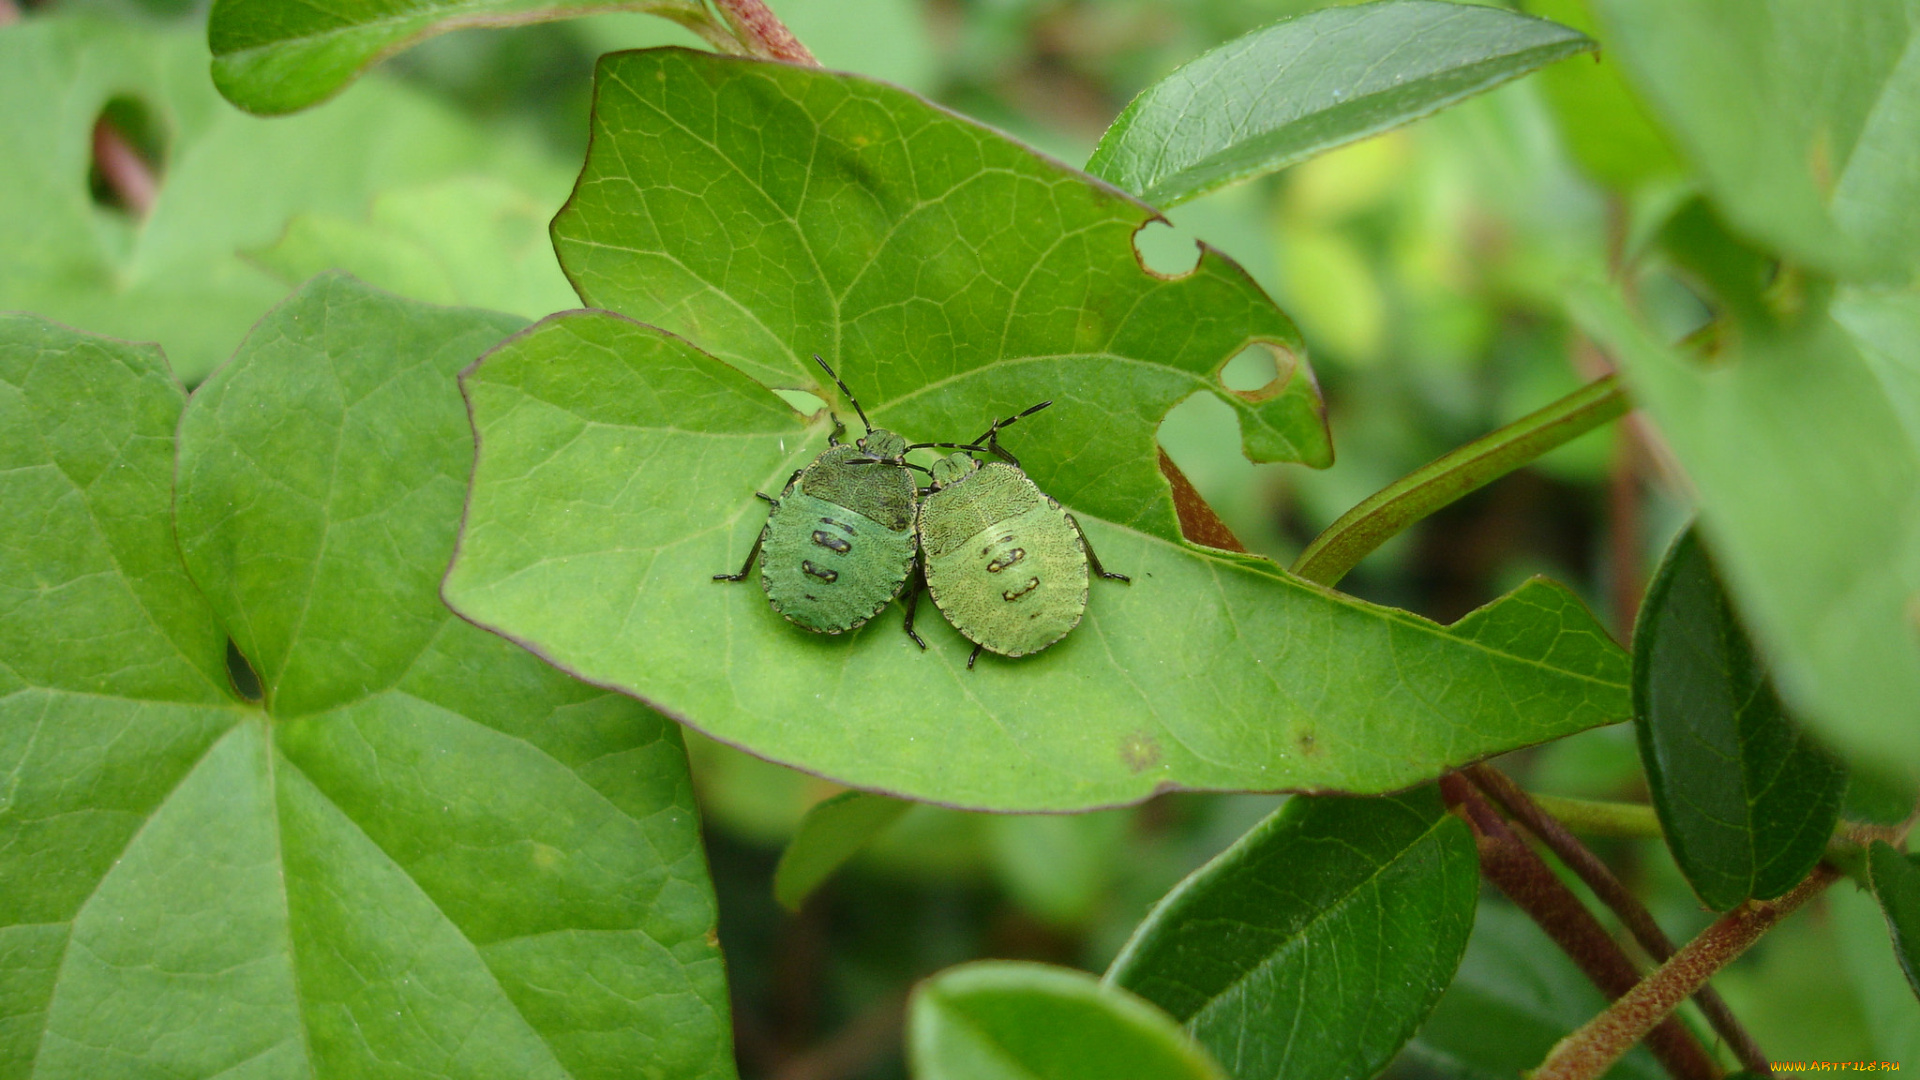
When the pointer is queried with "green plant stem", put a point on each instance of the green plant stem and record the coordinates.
(1594, 817)
(762, 31)
(1615, 894)
(1589, 1052)
(1390, 510)
(1514, 869)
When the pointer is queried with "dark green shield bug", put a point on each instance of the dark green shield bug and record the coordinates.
(838, 545)
(1005, 564)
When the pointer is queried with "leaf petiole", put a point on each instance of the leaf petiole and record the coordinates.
(1390, 510)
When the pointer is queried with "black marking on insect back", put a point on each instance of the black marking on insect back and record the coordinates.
(1014, 594)
(828, 576)
(1006, 560)
(841, 525)
(831, 543)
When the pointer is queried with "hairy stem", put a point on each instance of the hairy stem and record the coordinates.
(1515, 870)
(1613, 893)
(1590, 1052)
(1390, 510)
(1595, 817)
(762, 31)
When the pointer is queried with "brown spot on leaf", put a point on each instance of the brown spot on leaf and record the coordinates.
(1305, 741)
(1140, 751)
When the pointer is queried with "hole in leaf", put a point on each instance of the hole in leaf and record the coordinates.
(1257, 372)
(1166, 250)
(1252, 369)
(246, 682)
(129, 155)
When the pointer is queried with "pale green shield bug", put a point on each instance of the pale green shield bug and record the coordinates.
(1003, 561)
(838, 544)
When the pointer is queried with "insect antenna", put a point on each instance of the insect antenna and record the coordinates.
(1008, 422)
(948, 446)
(849, 393)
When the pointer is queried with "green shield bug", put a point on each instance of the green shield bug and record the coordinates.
(1004, 563)
(838, 544)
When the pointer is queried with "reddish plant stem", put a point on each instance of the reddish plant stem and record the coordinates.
(1515, 870)
(1590, 1052)
(9, 13)
(763, 31)
(1613, 893)
(125, 171)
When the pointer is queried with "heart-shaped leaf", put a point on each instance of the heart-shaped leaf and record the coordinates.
(1747, 800)
(952, 276)
(1802, 118)
(1305, 85)
(227, 182)
(421, 849)
(1014, 1021)
(1336, 921)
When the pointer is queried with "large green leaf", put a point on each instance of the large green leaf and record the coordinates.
(1746, 800)
(1514, 997)
(1803, 117)
(1896, 884)
(423, 850)
(1809, 495)
(1013, 1021)
(112, 685)
(1347, 917)
(228, 182)
(1308, 84)
(768, 211)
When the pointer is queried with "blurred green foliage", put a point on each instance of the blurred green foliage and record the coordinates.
(1424, 268)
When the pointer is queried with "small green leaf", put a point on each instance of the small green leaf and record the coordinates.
(1896, 883)
(1746, 800)
(1305, 85)
(1336, 922)
(1803, 118)
(1017, 1021)
(765, 212)
(227, 182)
(833, 831)
(1809, 492)
(275, 56)
(1516, 995)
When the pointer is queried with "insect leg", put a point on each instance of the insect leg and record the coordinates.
(913, 600)
(1092, 559)
(752, 554)
(977, 649)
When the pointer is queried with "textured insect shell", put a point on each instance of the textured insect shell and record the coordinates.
(839, 545)
(1003, 563)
